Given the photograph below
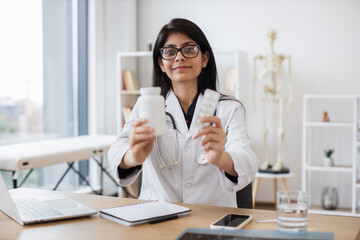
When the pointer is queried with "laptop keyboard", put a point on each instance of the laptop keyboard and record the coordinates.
(35, 209)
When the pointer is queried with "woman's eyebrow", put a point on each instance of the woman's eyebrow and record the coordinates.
(183, 44)
(187, 43)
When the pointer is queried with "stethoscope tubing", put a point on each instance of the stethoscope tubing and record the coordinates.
(162, 163)
(201, 161)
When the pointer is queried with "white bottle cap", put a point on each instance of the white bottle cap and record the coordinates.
(150, 90)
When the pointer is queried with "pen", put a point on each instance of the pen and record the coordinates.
(161, 219)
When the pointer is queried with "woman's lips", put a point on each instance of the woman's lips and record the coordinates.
(180, 68)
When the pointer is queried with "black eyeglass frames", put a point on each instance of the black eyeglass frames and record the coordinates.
(188, 51)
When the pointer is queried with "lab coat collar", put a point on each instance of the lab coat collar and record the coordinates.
(195, 126)
(173, 107)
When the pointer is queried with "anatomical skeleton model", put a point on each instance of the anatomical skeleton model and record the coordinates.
(272, 68)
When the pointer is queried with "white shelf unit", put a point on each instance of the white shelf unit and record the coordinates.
(135, 60)
(347, 121)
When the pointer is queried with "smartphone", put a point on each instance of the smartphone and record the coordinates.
(231, 221)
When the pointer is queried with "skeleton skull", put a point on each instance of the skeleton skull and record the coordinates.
(271, 35)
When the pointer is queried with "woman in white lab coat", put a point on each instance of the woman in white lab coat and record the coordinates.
(188, 164)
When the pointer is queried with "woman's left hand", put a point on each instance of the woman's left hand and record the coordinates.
(214, 139)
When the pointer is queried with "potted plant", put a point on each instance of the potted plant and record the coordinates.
(328, 161)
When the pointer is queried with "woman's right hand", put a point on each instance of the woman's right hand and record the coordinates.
(141, 141)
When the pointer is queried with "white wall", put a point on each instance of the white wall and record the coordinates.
(112, 28)
(113, 25)
(322, 37)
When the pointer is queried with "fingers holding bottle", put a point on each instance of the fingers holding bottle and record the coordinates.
(141, 141)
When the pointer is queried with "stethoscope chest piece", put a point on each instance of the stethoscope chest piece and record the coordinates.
(201, 159)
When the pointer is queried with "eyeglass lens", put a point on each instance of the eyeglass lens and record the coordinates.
(190, 51)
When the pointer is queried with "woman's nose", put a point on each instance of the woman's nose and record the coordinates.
(179, 56)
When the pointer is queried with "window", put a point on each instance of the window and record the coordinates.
(41, 78)
(21, 72)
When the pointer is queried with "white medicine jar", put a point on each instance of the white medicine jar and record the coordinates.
(152, 107)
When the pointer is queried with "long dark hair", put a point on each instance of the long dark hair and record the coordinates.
(208, 75)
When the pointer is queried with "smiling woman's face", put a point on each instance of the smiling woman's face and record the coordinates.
(182, 69)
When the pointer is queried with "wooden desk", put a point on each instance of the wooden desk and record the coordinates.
(200, 217)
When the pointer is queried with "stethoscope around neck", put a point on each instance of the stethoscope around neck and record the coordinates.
(200, 159)
(162, 163)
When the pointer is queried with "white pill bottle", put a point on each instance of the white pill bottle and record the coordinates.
(152, 107)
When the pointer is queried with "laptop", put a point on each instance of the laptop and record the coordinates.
(247, 234)
(40, 208)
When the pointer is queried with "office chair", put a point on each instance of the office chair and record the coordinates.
(244, 197)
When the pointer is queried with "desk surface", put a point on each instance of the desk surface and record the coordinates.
(201, 217)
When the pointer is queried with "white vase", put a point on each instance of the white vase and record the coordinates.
(328, 162)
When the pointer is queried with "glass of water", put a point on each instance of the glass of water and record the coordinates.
(292, 210)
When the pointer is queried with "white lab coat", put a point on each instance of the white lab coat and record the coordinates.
(190, 182)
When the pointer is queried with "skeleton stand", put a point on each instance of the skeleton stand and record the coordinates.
(272, 67)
